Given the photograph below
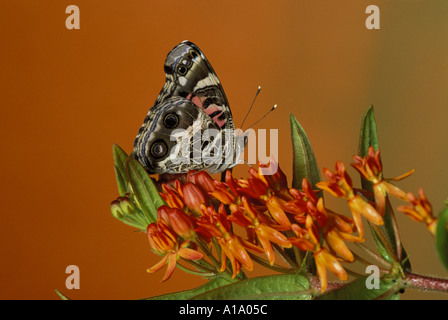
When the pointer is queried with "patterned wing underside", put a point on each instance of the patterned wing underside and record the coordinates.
(193, 91)
(190, 75)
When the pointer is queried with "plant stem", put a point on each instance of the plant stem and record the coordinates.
(208, 253)
(421, 282)
(266, 264)
(197, 273)
(411, 281)
(385, 242)
(286, 258)
(202, 265)
(367, 263)
(315, 285)
(374, 255)
(396, 231)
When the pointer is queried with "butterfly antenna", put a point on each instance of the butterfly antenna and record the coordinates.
(272, 109)
(246, 162)
(256, 95)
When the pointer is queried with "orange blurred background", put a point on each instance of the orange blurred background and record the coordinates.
(68, 95)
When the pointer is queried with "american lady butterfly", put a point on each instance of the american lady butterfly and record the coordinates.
(191, 104)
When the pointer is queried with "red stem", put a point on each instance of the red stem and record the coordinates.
(411, 280)
(315, 284)
(426, 283)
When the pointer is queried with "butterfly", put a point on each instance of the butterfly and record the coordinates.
(190, 125)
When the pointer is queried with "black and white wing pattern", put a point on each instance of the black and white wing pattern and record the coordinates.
(191, 103)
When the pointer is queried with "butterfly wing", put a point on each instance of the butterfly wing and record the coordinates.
(171, 140)
(192, 94)
(191, 76)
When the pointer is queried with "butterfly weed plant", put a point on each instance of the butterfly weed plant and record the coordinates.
(221, 230)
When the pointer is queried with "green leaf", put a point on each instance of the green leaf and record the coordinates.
(283, 287)
(358, 290)
(120, 169)
(146, 193)
(61, 295)
(305, 164)
(381, 247)
(442, 237)
(189, 294)
(369, 137)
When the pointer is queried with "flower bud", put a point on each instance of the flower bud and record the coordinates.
(122, 207)
(116, 211)
(193, 197)
(181, 223)
(162, 214)
(273, 175)
(127, 206)
(203, 180)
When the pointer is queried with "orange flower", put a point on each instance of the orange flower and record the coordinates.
(161, 238)
(180, 222)
(339, 229)
(253, 187)
(272, 214)
(359, 206)
(336, 241)
(233, 247)
(231, 183)
(370, 168)
(323, 258)
(298, 207)
(257, 185)
(171, 196)
(275, 207)
(248, 217)
(215, 224)
(318, 212)
(164, 242)
(333, 234)
(420, 210)
(222, 193)
(303, 241)
(340, 185)
(308, 193)
(273, 176)
(335, 228)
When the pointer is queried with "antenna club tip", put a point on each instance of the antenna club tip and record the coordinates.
(274, 107)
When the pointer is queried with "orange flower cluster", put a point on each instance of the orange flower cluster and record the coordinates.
(203, 210)
(420, 210)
